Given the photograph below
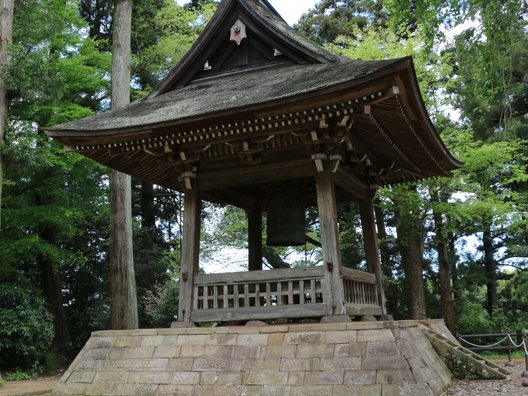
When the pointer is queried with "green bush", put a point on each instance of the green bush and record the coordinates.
(20, 376)
(26, 328)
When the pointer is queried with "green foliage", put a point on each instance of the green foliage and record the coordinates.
(27, 331)
(161, 35)
(330, 19)
(161, 304)
(55, 208)
(54, 363)
(20, 376)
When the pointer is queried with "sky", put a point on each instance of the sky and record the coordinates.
(290, 10)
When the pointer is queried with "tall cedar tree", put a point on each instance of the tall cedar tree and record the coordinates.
(123, 298)
(6, 38)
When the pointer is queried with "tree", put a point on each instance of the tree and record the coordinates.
(123, 298)
(330, 19)
(442, 247)
(6, 38)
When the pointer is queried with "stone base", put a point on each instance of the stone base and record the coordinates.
(357, 358)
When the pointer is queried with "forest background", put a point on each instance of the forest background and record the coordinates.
(454, 248)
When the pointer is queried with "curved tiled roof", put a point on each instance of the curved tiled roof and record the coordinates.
(226, 92)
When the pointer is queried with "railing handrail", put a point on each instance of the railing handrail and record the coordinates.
(357, 275)
(522, 344)
(281, 274)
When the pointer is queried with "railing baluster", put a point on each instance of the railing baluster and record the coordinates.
(226, 298)
(195, 302)
(364, 294)
(313, 291)
(279, 293)
(290, 293)
(205, 297)
(268, 294)
(301, 291)
(215, 296)
(235, 295)
(246, 295)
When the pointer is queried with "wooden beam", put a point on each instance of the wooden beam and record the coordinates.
(276, 275)
(370, 238)
(190, 251)
(232, 197)
(255, 239)
(256, 174)
(333, 291)
(261, 313)
(350, 183)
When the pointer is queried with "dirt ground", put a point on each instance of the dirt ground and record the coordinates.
(40, 386)
(513, 387)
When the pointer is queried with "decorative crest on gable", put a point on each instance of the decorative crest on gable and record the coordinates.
(238, 32)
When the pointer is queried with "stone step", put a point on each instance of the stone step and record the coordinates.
(464, 363)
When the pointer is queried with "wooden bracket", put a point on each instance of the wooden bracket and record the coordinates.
(187, 179)
(337, 159)
(318, 159)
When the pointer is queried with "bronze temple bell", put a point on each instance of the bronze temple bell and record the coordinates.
(285, 219)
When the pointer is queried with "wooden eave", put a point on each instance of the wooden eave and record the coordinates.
(242, 132)
(388, 134)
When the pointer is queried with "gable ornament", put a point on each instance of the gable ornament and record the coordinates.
(238, 32)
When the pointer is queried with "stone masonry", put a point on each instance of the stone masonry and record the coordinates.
(358, 358)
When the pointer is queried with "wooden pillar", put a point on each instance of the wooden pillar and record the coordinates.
(370, 238)
(255, 239)
(333, 292)
(190, 251)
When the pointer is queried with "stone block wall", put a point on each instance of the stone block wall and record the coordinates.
(367, 358)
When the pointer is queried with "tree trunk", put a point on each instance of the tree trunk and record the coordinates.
(370, 238)
(410, 240)
(148, 214)
(452, 256)
(391, 289)
(273, 259)
(123, 305)
(386, 264)
(491, 269)
(6, 38)
(52, 289)
(446, 292)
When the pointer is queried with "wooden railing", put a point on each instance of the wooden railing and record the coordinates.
(360, 292)
(359, 286)
(279, 293)
(259, 295)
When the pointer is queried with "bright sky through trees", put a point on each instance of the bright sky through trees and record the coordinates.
(290, 10)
